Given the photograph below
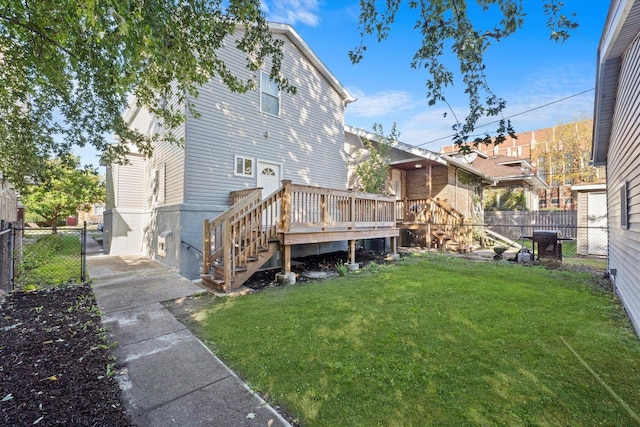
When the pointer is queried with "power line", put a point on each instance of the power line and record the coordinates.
(511, 116)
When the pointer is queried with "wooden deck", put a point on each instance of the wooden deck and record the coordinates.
(240, 240)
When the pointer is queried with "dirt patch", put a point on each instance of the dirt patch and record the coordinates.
(54, 365)
(327, 263)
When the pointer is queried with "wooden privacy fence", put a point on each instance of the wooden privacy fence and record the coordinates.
(541, 218)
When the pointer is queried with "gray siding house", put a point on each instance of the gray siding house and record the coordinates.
(156, 206)
(616, 144)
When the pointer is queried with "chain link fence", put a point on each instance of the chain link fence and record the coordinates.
(6, 256)
(32, 258)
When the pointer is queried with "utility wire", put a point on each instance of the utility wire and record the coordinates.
(513, 115)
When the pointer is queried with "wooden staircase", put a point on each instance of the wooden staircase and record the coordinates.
(240, 241)
(215, 280)
(446, 228)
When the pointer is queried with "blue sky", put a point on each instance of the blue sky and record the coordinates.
(527, 69)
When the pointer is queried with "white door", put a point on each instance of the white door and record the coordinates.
(269, 180)
(268, 177)
(597, 222)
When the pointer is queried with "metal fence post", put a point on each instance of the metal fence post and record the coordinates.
(522, 244)
(83, 254)
(11, 244)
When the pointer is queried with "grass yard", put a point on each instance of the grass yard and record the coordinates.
(50, 259)
(435, 340)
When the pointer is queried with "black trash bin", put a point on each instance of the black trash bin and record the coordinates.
(547, 244)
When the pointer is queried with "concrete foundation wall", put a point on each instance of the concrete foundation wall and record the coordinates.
(123, 231)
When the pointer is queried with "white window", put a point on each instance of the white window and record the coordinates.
(243, 166)
(269, 95)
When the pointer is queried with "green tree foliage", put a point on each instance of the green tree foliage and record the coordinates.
(564, 158)
(505, 199)
(444, 25)
(66, 189)
(69, 67)
(372, 168)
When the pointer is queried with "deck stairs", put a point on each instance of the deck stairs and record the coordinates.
(447, 227)
(241, 240)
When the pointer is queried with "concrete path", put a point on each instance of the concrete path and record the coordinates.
(169, 378)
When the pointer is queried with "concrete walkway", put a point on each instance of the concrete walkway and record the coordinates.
(169, 378)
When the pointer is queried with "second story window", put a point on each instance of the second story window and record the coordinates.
(269, 95)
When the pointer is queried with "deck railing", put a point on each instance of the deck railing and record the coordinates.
(235, 236)
(327, 209)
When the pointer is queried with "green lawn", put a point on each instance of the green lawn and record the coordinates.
(50, 259)
(435, 341)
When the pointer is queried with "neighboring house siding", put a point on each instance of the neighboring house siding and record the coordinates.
(624, 166)
(308, 133)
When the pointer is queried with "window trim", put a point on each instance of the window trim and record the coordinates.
(264, 75)
(237, 157)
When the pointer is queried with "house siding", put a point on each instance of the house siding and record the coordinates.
(308, 133)
(582, 240)
(130, 183)
(624, 166)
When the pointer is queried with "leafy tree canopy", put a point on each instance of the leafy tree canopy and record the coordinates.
(446, 24)
(65, 190)
(68, 68)
(372, 169)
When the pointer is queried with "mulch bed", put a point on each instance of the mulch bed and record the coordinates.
(54, 363)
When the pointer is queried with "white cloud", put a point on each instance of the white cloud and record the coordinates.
(292, 11)
(380, 103)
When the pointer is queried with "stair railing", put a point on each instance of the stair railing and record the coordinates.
(240, 232)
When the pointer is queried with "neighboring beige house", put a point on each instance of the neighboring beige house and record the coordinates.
(157, 206)
(616, 145)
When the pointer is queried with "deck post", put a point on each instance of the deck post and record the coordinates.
(352, 251)
(206, 247)
(394, 244)
(227, 239)
(286, 276)
(285, 210)
(352, 265)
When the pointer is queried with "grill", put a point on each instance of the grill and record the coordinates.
(547, 244)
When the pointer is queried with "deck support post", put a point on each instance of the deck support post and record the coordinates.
(351, 254)
(394, 244)
(286, 276)
(206, 248)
